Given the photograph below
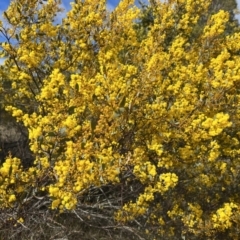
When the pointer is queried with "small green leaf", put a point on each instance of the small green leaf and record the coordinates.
(63, 131)
(77, 87)
(60, 91)
(121, 109)
(52, 134)
(71, 110)
(123, 101)
(5, 14)
(93, 124)
(94, 97)
(10, 170)
(18, 8)
(115, 115)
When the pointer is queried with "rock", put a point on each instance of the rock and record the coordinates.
(14, 140)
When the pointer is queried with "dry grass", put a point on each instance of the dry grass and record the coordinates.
(92, 218)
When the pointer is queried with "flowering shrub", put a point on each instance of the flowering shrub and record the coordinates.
(105, 107)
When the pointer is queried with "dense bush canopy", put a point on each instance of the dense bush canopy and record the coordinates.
(153, 114)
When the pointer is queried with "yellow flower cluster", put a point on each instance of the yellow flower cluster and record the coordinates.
(145, 172)
(105, 103)
(52, 85)
(217, 24)
(194, 217)
(223, 217)
(166, 181)
(155, 146)
(13, 181)
(217, 124)
(62, 200)
(49, 28)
